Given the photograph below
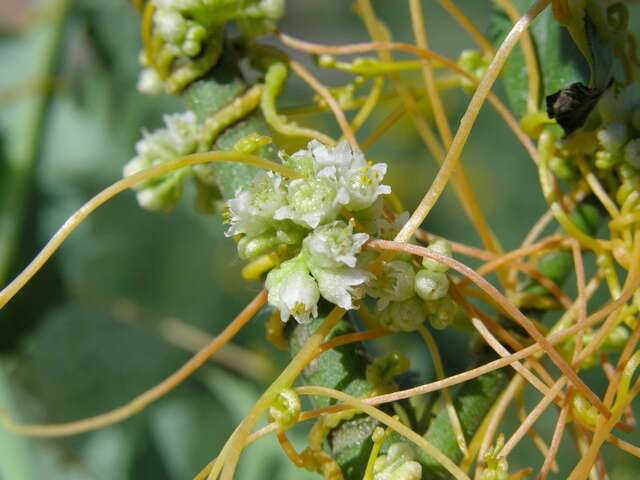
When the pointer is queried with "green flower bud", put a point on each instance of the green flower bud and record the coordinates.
(293, 291)
(495, 466)
(149, 82)
(394, 283)
(431, 285)
(613, 137)
(285, 409)
(397, 464)
(606, 160)
(405, 316)
(441, 313)
(561, 168)
(441, 246)
(384, 369)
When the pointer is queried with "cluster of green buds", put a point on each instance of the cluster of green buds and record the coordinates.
(397, 464)
(179, 137)
(300, 218)
(184, 38)
(182, 135)
(475, 63)
(495, 466)
(408, 296)
(609, 143)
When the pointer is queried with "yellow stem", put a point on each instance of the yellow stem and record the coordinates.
(382, 417)
(466, 123)
(120, 186)
(466, 23)
(228, 459)
(140, 402)
(440, 375)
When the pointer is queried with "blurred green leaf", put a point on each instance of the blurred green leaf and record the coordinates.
(560, 61)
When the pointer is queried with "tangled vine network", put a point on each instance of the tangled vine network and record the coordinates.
(344, 263)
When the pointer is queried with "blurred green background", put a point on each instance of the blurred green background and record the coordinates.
(97, 325)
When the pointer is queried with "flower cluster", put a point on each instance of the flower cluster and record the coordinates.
(181, 135)
(407, 298)
(475, 64)
(301, 217)
(609, 143)
(178, 138)
(318, 223)
(187, 37)
(397, 464)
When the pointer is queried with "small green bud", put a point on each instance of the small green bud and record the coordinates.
(496, 467)
(613, 137)
(404, 316)
(441, 246)
(149, 82)
(584, 411)
(250, 247)
(606, 160)
(285, 409)
(326, 61)
(561, 168)
(441, 313)
(394, 283)
(431, 285)
(397, 464)
(382, 371)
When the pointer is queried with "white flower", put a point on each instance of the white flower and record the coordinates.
(342, 156)
(341, 286)
(363, 185)
(397, 464)
(293, 291)
(149, 82)
(170, 24)
(394, 283)
(312, 201)
(252, 210)
(431, 285)
(405, 316)
(334, 245)
(361, 180)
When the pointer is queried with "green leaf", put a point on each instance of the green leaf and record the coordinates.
(560, 61)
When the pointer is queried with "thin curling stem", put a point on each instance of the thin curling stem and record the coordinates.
(467, 122)
(440, 374)
(142, 401)
(507, 306)
(382, 417)
(468, 25)
(503, 111)
(324, 92)
(120, 186)
(228, 459)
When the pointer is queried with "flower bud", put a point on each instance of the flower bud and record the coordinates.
(293, 291)
(430, 285)
(397, 464)
(394, 283)
(404, 316)
(441, 246)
